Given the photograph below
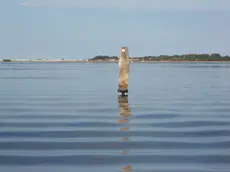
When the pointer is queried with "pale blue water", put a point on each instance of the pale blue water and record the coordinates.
(65, 117)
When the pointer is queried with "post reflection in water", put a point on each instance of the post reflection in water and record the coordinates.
(125, 114)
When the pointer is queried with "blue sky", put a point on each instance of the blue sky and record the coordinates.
(74, 29)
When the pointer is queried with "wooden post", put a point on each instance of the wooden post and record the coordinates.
(123, 71)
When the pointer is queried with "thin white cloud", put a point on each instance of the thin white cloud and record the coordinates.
(153, 5)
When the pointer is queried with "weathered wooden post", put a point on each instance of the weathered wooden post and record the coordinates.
(123, 71)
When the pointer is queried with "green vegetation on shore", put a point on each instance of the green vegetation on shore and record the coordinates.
(104, 58)
(185, 57)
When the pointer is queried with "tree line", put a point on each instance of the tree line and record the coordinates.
(185, 57)
(100, 57)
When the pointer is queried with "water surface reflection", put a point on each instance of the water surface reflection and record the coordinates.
(125, 114)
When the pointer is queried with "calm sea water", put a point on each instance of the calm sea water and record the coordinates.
(67, 117)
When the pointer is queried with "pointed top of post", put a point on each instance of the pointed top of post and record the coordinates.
(124, 49)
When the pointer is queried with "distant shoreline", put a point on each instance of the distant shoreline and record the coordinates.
(109, 61)
(183, 58)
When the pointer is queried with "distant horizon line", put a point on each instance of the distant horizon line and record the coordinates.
(60, 58)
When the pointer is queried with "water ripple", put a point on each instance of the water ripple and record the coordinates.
(57, 116)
